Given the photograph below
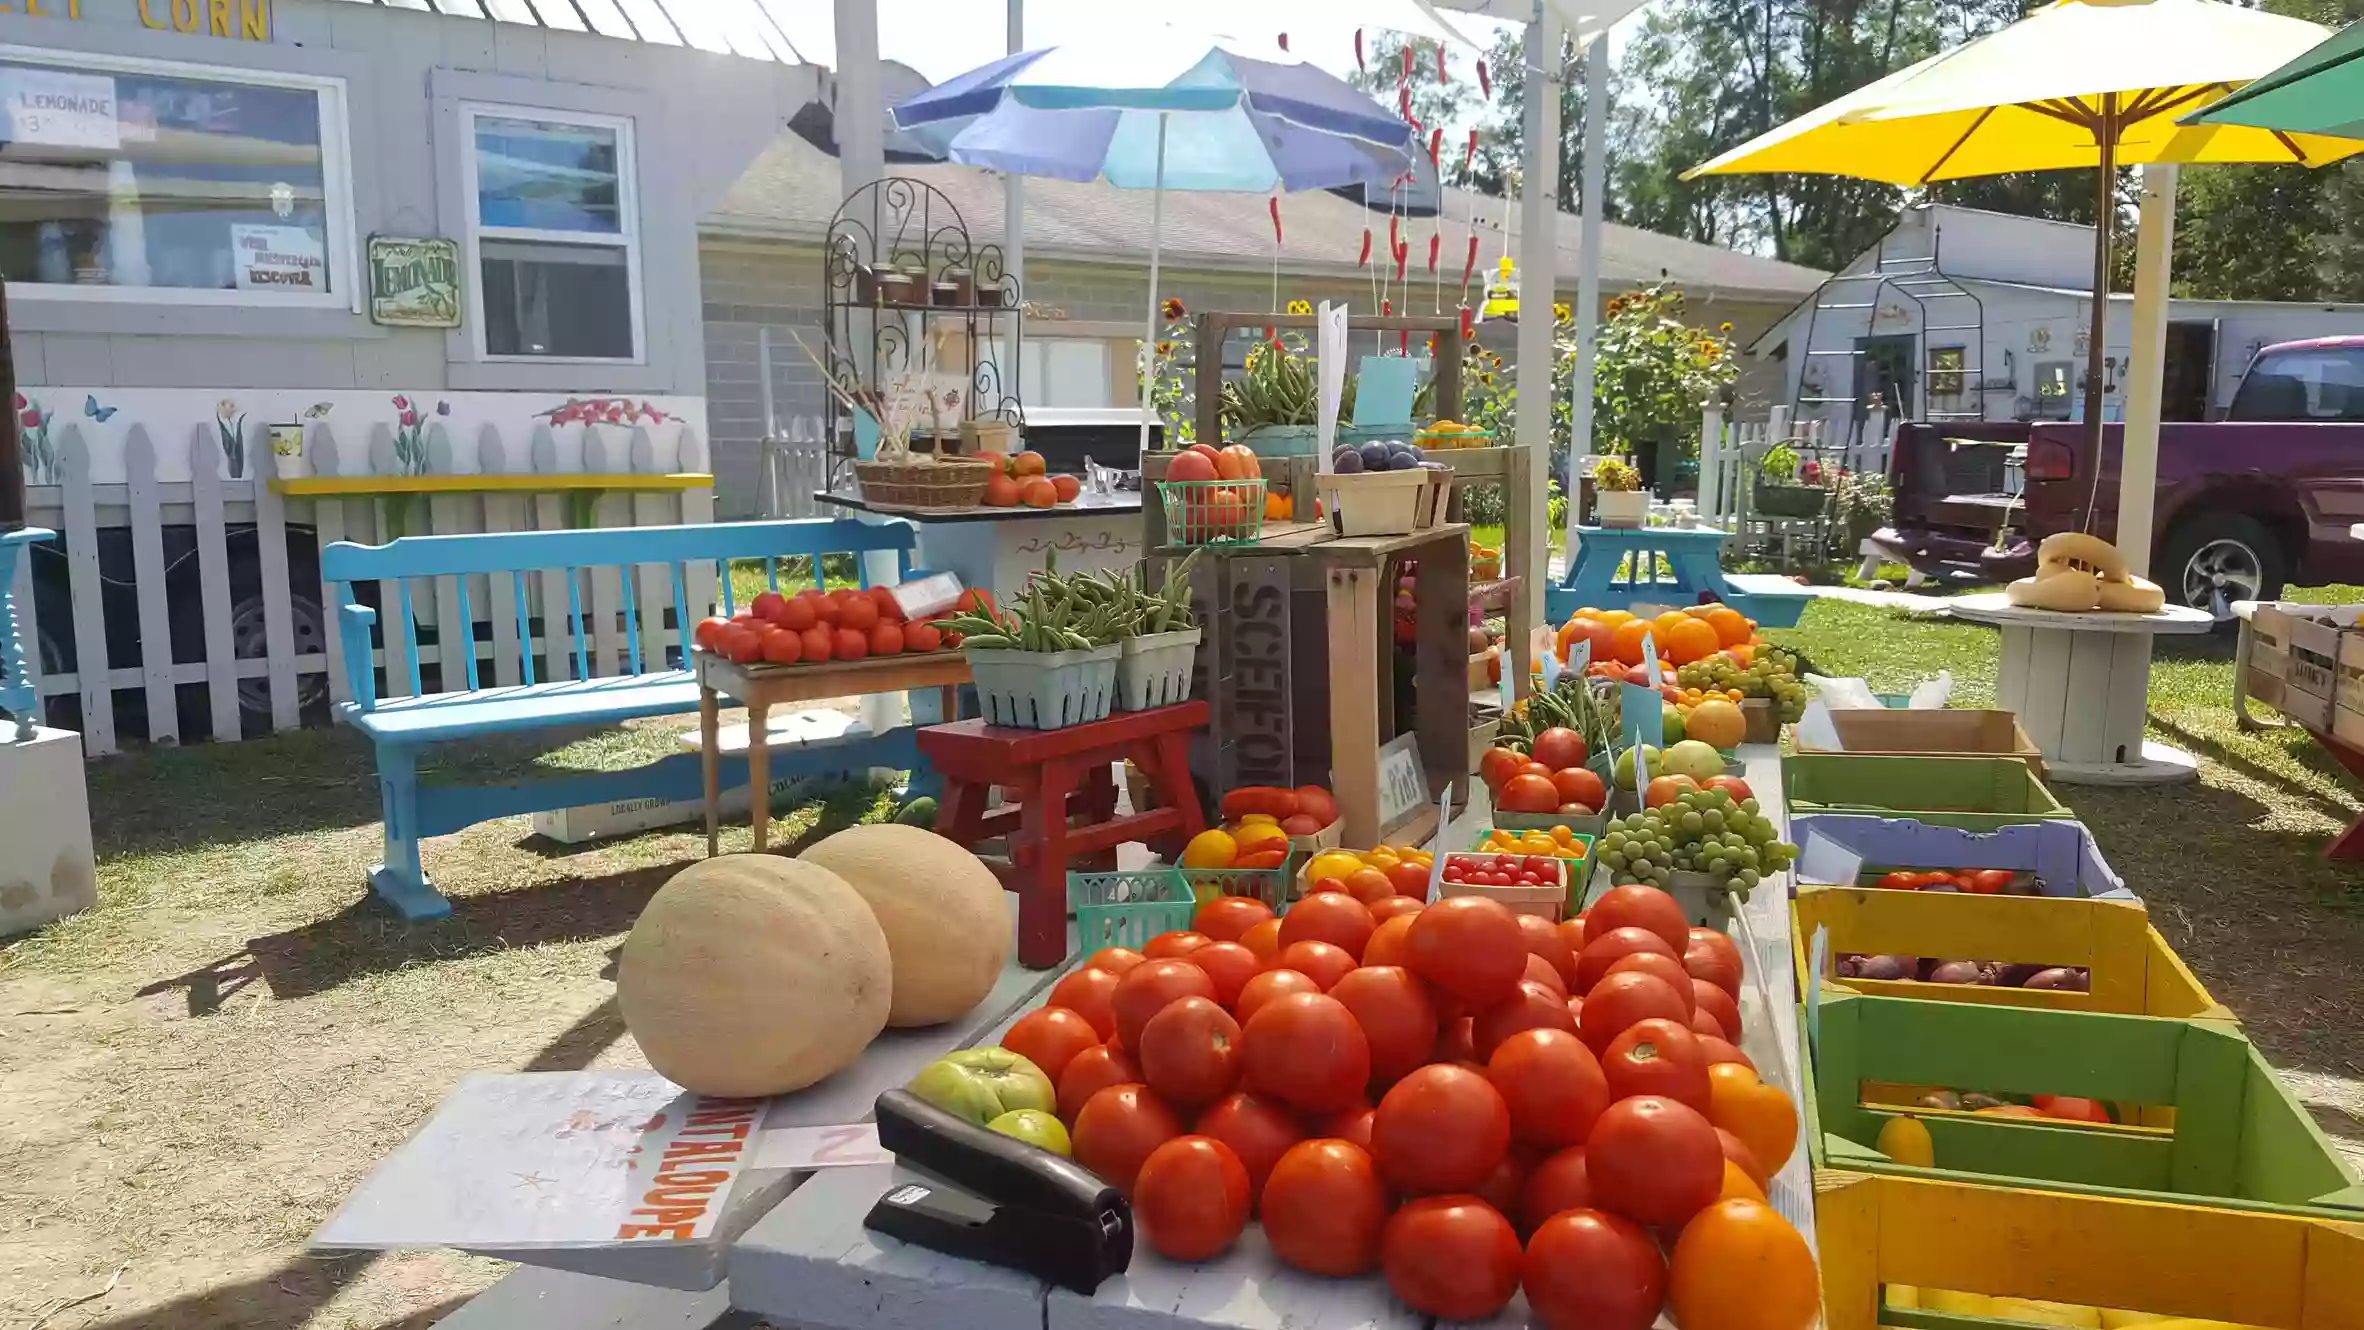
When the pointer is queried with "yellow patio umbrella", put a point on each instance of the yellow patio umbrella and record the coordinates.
(2080, 83)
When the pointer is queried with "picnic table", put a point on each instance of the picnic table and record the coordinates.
(1616, 568)
(805, 1259)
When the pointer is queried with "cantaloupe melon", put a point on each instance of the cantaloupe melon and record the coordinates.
(754, 975)
(941, 909)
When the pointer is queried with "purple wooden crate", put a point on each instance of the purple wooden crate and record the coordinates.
(2060, 852)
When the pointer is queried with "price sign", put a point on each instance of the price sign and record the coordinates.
(1403, 785)
(59, 110)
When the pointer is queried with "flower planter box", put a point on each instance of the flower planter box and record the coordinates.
(1281, 440)
(1778, 500)
(1972, 793)
(1628, 509)
(2221, 1216)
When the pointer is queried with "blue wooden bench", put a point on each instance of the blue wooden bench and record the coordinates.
(403, 720)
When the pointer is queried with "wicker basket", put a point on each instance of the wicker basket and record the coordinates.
(924, 482)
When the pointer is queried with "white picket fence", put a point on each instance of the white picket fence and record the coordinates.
(794, 468)
(1730, 451)
(300, 657)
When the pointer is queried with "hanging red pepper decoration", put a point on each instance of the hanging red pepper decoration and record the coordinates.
(1386, 309)
(1485, 80)
(1284, 39)
(1441, 75)
(1469, 265)
(1403, 100)
(1407, 51)
(1365, 260)
(1394, 240)
(1402, 250)
(1273, 205)
(1436, 143)
(1469, 154)
(1436, 240)
(1359, 62)
(1468, 323)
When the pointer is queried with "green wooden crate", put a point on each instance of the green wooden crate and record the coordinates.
(1972, 793)
(2239, 1140)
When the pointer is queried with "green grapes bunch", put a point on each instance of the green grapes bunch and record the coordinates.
(1702, 831)
(1770, 674)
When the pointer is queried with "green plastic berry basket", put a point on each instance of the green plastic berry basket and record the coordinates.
(1127, 909)
(1273, 886)
(1213, 512)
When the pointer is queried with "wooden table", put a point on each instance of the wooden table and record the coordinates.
(2080, 684)
(763, 686)
(1052, 770)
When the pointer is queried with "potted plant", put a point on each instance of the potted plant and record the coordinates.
(1273, 407)
(1778, 491)
(1047, 660)
(1619, 499)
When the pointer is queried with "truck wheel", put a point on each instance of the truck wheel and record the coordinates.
(2217, 559)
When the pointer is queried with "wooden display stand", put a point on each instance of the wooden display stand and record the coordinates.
(1513, 593)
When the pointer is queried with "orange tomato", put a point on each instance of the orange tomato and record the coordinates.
(1740, 1266)
(1689, 640)
(1263, 939)
(1738, 1185)
(1626, 644)
(1759, 1114)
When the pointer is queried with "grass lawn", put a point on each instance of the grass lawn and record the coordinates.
(195, 1073)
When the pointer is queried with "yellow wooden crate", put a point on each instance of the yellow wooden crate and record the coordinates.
(2134, 971)
(2281, 1271)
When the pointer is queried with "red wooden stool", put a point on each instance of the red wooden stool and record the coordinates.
(1060, 774)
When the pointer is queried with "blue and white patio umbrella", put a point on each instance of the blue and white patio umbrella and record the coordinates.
(1163, 110)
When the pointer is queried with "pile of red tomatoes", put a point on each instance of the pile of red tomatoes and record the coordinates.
(1472, 1102)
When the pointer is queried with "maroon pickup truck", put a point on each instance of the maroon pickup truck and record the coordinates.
(2246, 504)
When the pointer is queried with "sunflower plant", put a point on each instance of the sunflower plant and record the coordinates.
(1654, 374)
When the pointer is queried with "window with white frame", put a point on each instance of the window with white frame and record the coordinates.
(554, 230)
(144, 180)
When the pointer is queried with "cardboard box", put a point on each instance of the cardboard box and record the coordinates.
(1942, 732)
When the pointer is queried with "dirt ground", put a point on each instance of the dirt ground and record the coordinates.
(196, 1073)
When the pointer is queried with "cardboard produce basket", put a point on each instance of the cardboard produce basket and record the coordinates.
(2239, 1139)
(1856, 849)
(1972, 793)
(1940, 732)
(2133, 970)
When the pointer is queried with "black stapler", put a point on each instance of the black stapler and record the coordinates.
(996, 1199)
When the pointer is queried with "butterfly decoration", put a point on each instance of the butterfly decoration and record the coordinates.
(318, 409)
(91, 408)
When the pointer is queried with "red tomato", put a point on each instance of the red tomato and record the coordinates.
(1321, 962)
(1267, 985)
(1189, 1052)
(1539, 971)
(1091, 1071)
(1622, 999)
(1744, 1157)
(851, 643)
(1453, 1041)
(1533, 1007)
(1225, 918)
(922, 637)
(1665, 967)
(1498, 765)
(1715, 1048)
(820, 642)
(1350, 1124)
(1367, 885)
(1719, 943)
(1719, 1004)
(1340, 920)
(1230, 965)
(1117, 1130)
(1145, 990)
(1656, 1056)
(1174, 945)
(1263, 939)
(1606, 946)
(708, 635)
(1050, 1038)
(1575, 785)
(1410, 881)
(1989, 881)
(1702, 961)
(768, 606)
(890, 610)
(1115, 960)
(1502, 1186)
(1585, 1270)
(1551, 1085)
(1393, 1008)
(1899, 879)
(1530, 791)
(1654, 1160)
(857, 612)
(1645, 908)
(886, 639)
(1191, 1198)
(1441, 1129)
(740, 643)
(1086, 992)
(1324, 1208)
(1394, 907)
(1469, 946)
(1573, 930)
(1453, 1257)
(800, 612)
(2070, 1108)
(1544, 939)
(1560, 747)
(781, 647)
(1306, 1050)
(1558, 1183)
(1258, 1130)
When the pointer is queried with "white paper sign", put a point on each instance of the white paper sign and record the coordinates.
(822, 1147)
(60, 110)
(555, 1159)
(1402, 785)
(278, 258)
(1329, 344)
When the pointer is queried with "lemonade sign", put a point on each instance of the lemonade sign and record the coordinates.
(414, 283)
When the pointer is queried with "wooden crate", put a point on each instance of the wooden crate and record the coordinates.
(2239, 1140)
(1930, 732)
(2294, 664)
(2133, 969)
(2282, 1271)
(1972, 793)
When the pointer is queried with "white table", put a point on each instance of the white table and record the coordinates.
(2080, 684)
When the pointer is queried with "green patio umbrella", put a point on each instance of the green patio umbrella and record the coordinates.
(2320, 92)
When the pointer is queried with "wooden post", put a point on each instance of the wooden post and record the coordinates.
(1711, 463)
(12, 466)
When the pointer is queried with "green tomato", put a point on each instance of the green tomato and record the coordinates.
(1035, 1127)
(981, 1084)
